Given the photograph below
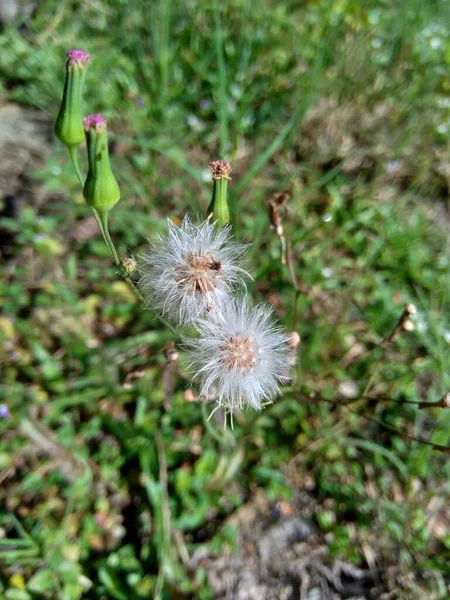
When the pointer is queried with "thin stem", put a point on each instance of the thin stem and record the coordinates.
(73, 152)
(388, 426)
(209, 427)
(105, 238)
(102, 220)
(105, 230)
(165, 518)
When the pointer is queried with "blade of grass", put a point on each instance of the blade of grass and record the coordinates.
(270, 151)
(161, 38)
(371, 446)
(223, 116)
(306, 92)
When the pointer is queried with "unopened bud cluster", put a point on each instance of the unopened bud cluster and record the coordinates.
(100, 190)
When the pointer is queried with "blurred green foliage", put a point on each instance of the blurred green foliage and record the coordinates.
(343, 103)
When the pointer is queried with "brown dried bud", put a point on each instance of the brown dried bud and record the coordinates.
(129, 265)
(404, 323)
(294, 340)
(189, 395)
(277, 211)
(171, 354)
(281, 198)
(275, 219)
(410, 309)
(220, 169)
(408, 325)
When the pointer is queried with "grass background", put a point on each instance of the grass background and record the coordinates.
(344, 104)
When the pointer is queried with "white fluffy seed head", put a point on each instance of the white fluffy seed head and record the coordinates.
(191, 271)
(241, 357)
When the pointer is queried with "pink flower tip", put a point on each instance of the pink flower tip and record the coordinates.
(96, 122)
(78, 57)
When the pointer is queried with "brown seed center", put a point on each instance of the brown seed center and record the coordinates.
(240, 352)
(199, 272)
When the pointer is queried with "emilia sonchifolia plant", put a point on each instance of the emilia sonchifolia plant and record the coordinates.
(191, 275)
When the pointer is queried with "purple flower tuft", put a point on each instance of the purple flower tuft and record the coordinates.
(4, 412)
(96, 122)
(78, 57)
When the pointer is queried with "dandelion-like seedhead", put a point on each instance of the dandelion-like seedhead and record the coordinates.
(241, 357)
(191, 270)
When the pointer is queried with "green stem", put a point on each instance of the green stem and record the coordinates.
(73, 152)
(223, 440)
(103, 216)
(219, 203)
(102, 220)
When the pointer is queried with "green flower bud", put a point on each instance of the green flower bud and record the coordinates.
(220, 171)
(129, 265)
(69, 126)
(101, 190)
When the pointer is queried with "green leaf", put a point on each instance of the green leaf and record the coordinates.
(42, 582)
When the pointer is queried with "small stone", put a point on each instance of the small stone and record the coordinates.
(315, 593)
(348, 389)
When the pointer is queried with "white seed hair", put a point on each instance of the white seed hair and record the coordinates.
(241, 357)
(192, 270)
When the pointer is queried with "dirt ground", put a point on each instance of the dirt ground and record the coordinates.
(282, 555)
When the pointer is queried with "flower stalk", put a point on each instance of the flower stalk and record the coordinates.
(102, 222)
(218, 207)
(73, 153)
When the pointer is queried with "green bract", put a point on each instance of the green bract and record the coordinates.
(68, 125)
(101, 190)
(220, 170)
